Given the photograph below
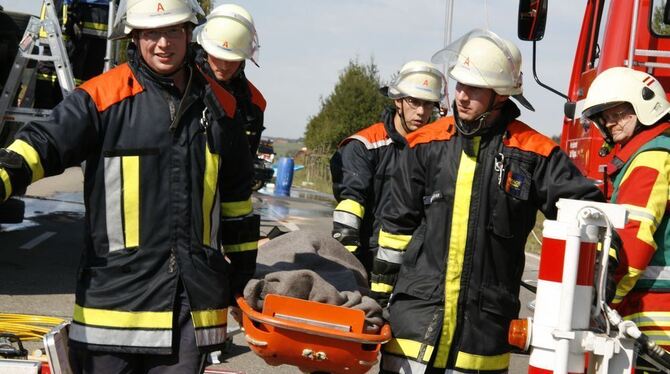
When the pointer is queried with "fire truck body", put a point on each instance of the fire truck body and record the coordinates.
(633, 33)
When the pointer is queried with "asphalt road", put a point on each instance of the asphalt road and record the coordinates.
(39, 258)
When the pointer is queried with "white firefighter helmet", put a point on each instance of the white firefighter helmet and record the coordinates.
(151, 14)
(624, 85)
(418, 79)
(229, 34)
(481, 58)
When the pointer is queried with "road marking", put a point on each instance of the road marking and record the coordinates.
(31, 244)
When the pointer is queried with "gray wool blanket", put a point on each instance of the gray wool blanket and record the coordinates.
(312, 266)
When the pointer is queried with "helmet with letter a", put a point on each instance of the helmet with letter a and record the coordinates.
(153, 14)
(229, 34)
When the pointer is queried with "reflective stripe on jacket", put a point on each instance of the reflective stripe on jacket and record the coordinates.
(167, 193)
(460, 212)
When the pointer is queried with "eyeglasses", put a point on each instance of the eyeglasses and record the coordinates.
(414, 103)
(169, 33)
(609, 117)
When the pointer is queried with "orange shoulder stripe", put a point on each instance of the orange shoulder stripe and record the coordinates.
(442, 129)
(225, 98)
(523, 137)
(257, 97)
(373, 136)
(112, 87)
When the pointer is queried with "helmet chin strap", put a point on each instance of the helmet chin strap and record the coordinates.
(403, 123)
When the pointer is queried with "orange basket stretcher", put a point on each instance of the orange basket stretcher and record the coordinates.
(313, 336)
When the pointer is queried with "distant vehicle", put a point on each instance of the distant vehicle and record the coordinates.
(263, 171)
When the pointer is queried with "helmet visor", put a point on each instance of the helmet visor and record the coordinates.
(594, 115)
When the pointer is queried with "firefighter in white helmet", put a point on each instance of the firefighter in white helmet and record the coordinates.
(631, 110)
(170, 235)
(451, 246)
(364, 162)
(228, 39)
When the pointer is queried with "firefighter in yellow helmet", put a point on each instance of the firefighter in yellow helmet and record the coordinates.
(631, 110)
(469, 186)
(170, 234)
(364, 162)
(228, 39)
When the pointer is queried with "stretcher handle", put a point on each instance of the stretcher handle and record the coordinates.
(381, 338)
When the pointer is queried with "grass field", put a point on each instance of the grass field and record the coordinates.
(286, 147)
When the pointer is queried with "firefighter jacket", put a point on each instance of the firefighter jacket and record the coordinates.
(167, 190)
(461, 209)
(361, 169)
(250, 101)
(641, 172)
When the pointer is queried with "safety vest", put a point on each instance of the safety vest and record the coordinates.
(657, 274)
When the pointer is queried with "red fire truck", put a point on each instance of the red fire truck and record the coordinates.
(632, 33)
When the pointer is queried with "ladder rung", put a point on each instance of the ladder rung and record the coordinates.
(24, 115)
(652, 64)
(651, 53)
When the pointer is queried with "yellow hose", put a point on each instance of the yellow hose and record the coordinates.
(28, 327)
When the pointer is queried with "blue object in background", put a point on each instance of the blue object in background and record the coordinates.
(284, 176)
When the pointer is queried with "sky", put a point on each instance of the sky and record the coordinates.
(306, 44)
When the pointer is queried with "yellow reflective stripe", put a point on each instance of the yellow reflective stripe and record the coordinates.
(352, 207)
(243, 247)
(351, 248)
(43, 16)
(4, 177)
(131, 199)
(648, 318)
(457, 241)
(64, 14)
(381, 287)
(409, 348)
(627, 283)
(115, 318)
(209, 192)
(237, 208)
(476, 362)
(613, 254)
(209, 318)
(53, 78)
(395, 241)
(95, 26)
(31, 157)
